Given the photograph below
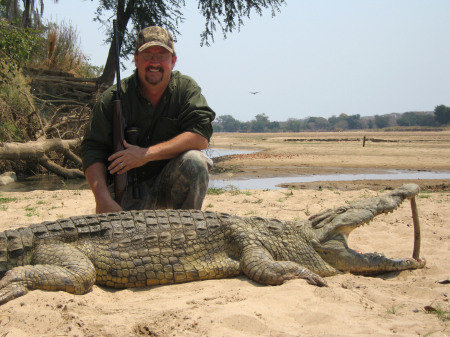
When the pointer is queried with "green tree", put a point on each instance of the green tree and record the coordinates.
(317, 123)
(413, 119)
(341, 124)
(260, 123)
(16, 46)
(345, 121)
(407, 119)
(227, 123)
(353, 121)
(381, 121)
(442, 114)
(217, 127)
(293, 125)
(227, 14)
(274, 126)
(2, 8)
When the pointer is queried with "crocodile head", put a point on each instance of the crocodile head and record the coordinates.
(332, 228)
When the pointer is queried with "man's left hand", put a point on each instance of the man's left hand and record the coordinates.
(125, 160)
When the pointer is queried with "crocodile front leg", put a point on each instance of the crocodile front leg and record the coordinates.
(258, 264)
(54, 267)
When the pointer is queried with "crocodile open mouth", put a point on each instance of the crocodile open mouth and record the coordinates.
(333, 228)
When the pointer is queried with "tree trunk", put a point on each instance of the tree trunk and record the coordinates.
(123, 16)
(109, 72)
(37, 150)
(26, 19)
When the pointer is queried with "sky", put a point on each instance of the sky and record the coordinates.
(316, 58)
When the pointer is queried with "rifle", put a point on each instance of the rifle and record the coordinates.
(120, 180)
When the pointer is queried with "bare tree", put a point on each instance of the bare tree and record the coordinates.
(226, 14)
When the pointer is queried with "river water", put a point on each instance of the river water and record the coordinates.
(271, 183)
(56, 183)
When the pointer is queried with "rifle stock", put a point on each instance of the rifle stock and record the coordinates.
(120, 180)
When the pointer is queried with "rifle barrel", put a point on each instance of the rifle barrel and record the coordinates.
(120, 180)
(116, 44)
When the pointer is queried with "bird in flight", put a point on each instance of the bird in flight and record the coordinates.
(254, 92)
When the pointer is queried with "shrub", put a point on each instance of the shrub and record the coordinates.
(16, 46)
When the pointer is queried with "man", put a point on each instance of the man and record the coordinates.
(174, 123)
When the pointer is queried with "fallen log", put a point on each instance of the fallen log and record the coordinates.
(39, 150)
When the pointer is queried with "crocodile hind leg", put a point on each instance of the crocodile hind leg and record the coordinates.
(259, 265)
(54, 267)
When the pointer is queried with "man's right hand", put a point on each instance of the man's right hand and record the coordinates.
(96, 177)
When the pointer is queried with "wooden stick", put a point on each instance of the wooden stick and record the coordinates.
(415, 215)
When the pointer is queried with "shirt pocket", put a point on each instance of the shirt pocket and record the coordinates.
(165, 129)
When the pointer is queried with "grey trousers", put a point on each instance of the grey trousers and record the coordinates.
(182, 184)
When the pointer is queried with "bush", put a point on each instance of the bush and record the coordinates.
(16, 46)
(16, 112)
(60, 50)
(442, 114)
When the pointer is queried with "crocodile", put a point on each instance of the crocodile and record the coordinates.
(156, 247)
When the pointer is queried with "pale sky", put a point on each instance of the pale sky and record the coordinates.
(316, 58)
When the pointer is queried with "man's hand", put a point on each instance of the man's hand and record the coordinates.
(133, 156)
(96, 177)
(107, 206)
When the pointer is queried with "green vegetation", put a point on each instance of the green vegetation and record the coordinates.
(16, 112)
(442, 314)
(16, 46)
(53, 48)
(257, 201)
(442, 114)
(409, 120)
(287, 195)
(31, 211)
(216, 191)
(392, 310)
(307, 211)
(4, 200)
(233, 190)
(60, 50)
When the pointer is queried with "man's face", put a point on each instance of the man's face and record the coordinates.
(155, 65)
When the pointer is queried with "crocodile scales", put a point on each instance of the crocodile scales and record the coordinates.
(144, 248)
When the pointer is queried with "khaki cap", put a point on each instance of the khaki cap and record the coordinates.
(154, 36)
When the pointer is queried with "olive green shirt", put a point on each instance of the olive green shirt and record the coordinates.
(182, 108)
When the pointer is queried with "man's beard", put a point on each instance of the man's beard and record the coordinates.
(154, 81)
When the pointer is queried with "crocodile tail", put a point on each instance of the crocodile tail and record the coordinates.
(15, 248)
(16, 245)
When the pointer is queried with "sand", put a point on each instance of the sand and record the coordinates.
(409, 303)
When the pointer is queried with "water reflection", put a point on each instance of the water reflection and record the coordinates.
(214, 152)
(271, 183)
(50, 183)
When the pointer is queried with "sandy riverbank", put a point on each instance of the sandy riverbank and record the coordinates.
(390, 305)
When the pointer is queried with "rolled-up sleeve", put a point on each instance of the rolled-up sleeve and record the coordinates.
(195, 115)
